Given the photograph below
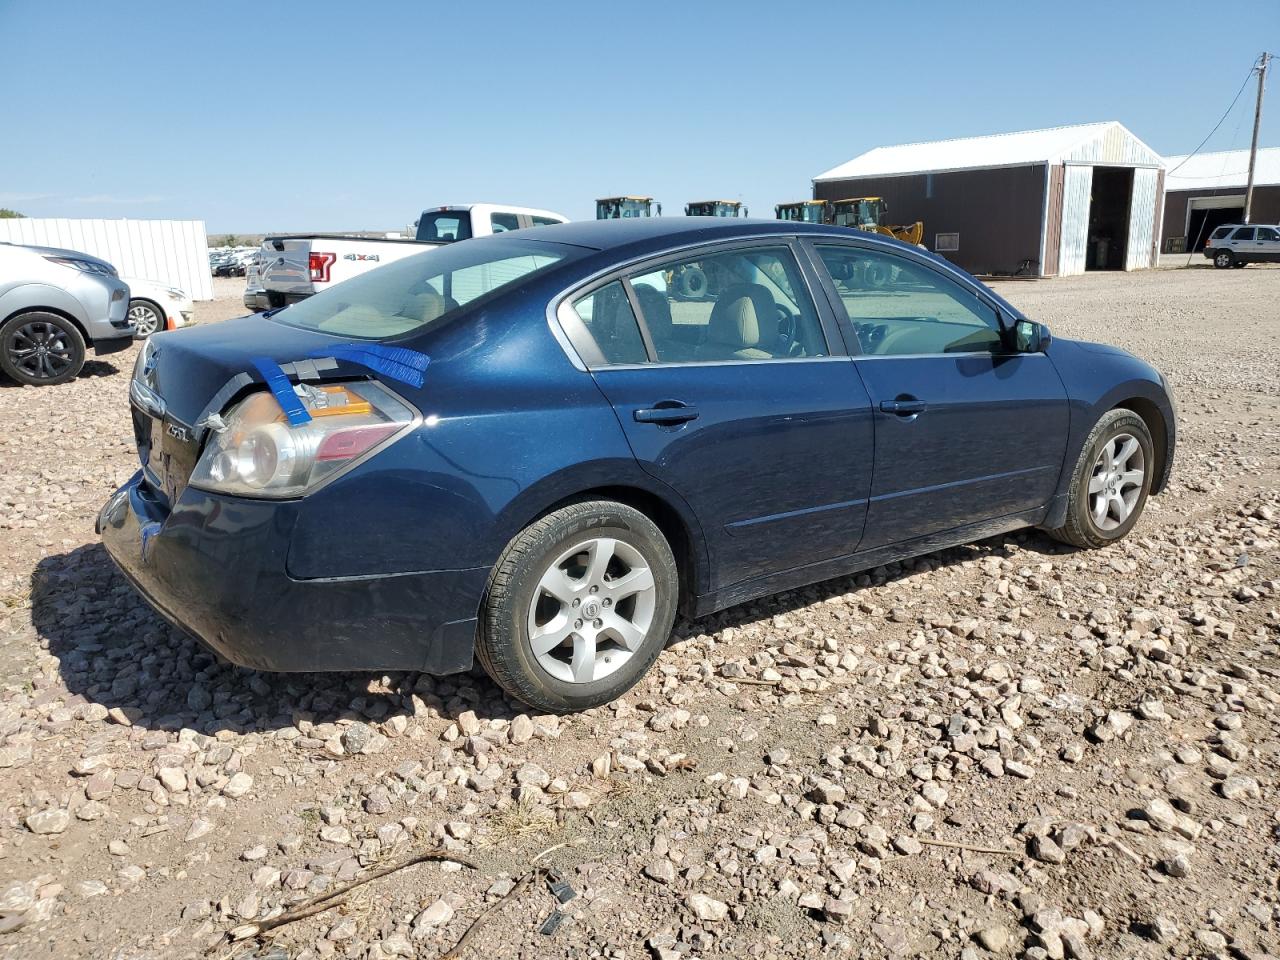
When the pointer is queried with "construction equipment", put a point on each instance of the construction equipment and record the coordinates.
(624, 208)
(715, 208)
(803, 211)
(868, 213)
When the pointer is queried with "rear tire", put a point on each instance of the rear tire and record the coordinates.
(1223, 259)
(1110, 483)
(41, 349)
(579, 606)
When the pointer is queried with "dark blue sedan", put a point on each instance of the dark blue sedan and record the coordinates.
(535, 448)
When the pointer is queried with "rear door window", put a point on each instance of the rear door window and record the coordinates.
(608, 317)
(1244, 233)
(749, 304)
(502, 222)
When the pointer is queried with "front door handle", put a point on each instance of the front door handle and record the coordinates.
(904, 407)
(666, 412)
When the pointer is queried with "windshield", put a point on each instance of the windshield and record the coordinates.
(444, 226)
(792, 211)
(412, 294)
(625, 209)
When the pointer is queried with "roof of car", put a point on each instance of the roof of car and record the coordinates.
(615, 234)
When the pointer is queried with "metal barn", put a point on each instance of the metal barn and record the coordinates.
(1207, 190)
(174, 252)
(1036, 203)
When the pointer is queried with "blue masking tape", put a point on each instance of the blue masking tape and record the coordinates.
(282, 390)
(398, 363)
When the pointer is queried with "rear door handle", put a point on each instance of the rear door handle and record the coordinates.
(903, 408)
(666, 412)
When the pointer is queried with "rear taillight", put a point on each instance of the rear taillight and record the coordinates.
(318, 265)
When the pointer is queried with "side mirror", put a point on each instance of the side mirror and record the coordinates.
(1031, 337)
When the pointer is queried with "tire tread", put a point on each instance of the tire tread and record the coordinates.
(497, 627)
(1076, 531)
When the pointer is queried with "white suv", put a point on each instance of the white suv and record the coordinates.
(1235, 245)
(54, 305)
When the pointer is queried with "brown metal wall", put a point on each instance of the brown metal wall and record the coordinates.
(1266, 207)
(1053, 227)
(996, 212)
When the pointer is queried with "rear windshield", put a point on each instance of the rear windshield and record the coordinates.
(445, 226)
(412, 294)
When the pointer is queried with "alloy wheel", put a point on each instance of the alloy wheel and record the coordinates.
(1115, 485)
(591, 610)
(40, 349)
(144, 317)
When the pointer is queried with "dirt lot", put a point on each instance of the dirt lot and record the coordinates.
(1005, 749)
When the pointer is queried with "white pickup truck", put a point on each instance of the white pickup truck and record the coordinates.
(295, 267)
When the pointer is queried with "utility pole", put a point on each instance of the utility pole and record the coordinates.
(1257, 122)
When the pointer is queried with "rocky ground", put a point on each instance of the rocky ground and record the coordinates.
(1010, 748)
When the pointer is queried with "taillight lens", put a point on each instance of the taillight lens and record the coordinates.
(318, 265)
(259, 454)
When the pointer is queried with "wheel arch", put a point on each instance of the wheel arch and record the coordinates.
(665, 508)
(56, 311)
(1153, 417)
(164, 314)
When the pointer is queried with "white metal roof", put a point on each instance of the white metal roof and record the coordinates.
(1109, 141)
(1224, 170)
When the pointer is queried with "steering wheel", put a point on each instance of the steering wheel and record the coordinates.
(788, 324)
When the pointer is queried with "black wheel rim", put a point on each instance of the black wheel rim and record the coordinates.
(40, 349)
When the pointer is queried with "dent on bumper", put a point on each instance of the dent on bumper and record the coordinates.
(215, 567)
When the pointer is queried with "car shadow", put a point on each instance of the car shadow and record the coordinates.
(92, 369)
(744, 614)
(112, 649)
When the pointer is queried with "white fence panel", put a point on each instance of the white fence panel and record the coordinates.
(175, 252)
(1077, 186)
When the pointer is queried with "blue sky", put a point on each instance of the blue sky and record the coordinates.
(258, 116)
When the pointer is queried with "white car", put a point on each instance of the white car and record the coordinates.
(157, 306)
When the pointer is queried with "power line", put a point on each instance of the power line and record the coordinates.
(1247, 77)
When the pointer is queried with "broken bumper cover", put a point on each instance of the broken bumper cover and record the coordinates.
(216, 567)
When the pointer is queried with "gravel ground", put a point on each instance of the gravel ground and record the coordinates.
(1009, 748)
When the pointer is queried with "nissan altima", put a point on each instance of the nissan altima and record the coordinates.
(534, 449)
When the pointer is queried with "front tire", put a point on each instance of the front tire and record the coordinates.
(1111, 481)
(1223, 260)
(41, 349)
(579, 606)
(147, 318)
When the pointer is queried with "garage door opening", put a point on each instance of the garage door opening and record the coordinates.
(1202, 222)
(1109, 218)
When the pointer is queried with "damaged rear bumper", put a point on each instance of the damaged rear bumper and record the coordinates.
(216, 567)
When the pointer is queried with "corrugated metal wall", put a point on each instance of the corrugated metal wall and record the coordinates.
(175, 252)
(1142, 218)
(1053, 222)
(996, 212)
(1077, 183)
(1115, 148)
